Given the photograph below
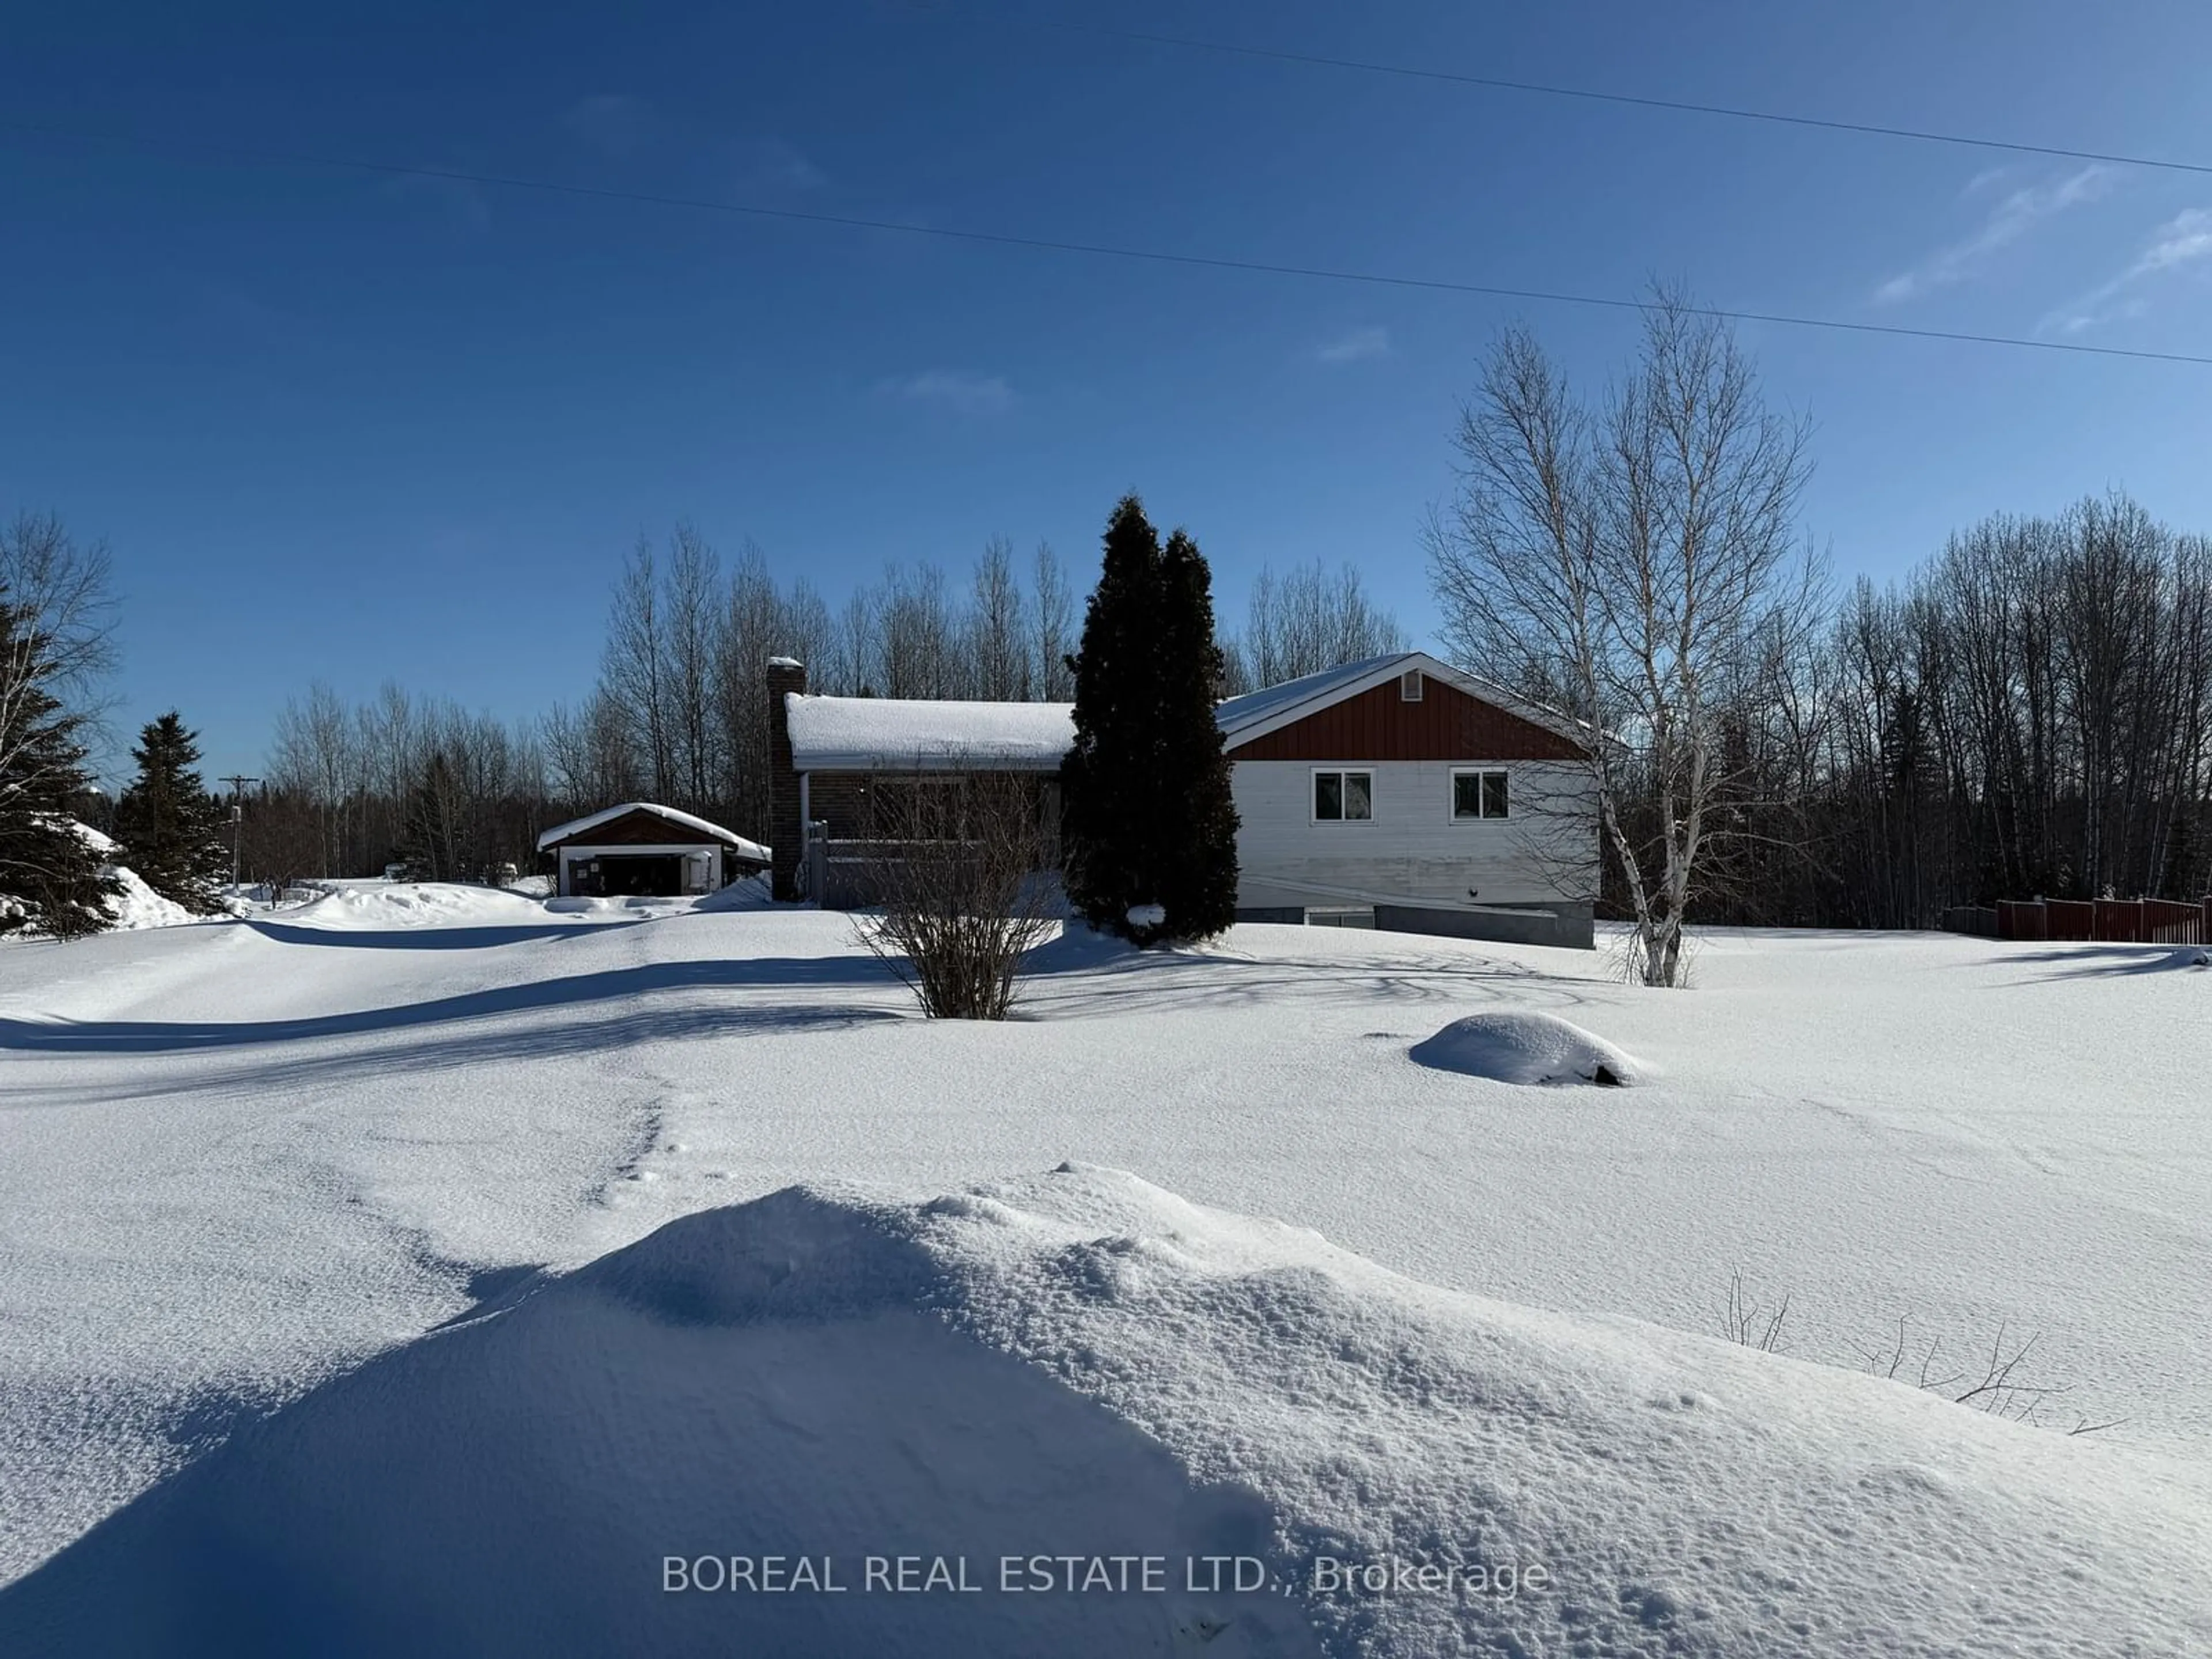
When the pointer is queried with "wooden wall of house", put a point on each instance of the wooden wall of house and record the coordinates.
(1380, 725)
(849, 802)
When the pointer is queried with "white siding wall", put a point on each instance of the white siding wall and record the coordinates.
(1413, 851)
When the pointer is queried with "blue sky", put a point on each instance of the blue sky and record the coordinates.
(350, 425)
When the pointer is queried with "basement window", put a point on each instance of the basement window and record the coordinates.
(1409, 686)
(1479, 795)
(1343, 797)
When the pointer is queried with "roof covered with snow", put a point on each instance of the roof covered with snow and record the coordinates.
(693, 826)
(829, 733)
(866, 733)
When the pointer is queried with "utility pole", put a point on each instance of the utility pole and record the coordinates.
(237, 780)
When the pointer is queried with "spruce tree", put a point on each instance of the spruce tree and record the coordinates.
(1105, 780)
(1148, 814)
(1194, 835)
(170, 828)
(53, 879)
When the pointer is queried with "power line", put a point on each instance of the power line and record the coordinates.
(1587, 94)
(1100, 250)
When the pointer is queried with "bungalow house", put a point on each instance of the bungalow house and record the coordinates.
(1396, 793)
(643, 848)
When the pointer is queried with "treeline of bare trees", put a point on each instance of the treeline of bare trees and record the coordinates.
(351, 788)
(2029, 714)
(679, 713)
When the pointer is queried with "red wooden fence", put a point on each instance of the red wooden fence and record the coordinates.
(2126, 921)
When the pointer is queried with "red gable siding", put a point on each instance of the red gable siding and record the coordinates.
(1445, 725)
(633, 829)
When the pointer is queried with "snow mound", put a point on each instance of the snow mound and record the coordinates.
(99, 841)
(139, 906)
(1080, 1365)
(748, 893)
(382, 906)
(1529, 1046)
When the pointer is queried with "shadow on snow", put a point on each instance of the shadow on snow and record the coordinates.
(776, 1378)
(172, 1037)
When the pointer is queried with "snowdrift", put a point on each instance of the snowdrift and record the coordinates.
(1083, 1366)
(140, 905)
(375, 907)
(136, 905)
(1528, 1047)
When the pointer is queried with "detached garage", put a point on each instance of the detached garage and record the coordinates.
(642, 847)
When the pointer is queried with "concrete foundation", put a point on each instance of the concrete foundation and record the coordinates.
(1568, 925)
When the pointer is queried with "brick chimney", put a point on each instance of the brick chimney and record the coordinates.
(787, 834)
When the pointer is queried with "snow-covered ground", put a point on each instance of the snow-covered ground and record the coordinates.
(241, 1159)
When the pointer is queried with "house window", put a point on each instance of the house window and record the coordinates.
(1479, 795)
(1409, 686)
(1343, 797)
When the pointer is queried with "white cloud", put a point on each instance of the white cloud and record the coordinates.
(1356, 346)
(945, 388)
(2006, 223)
(2181, 241)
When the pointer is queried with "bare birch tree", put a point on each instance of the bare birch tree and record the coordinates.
(1627, 559)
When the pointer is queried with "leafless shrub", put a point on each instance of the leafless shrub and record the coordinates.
(1997, 1382)
(961, 865)
(1748, 1320)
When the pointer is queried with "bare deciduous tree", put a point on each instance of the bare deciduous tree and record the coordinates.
(1626, 562)
(917, 656)
(1309, 621)
(60, 637)
(60, 589)
(1053, 613)
(692, 606)
(997, 643)
(635, 668)
(316, 756)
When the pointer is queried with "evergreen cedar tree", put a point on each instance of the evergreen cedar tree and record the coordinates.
(51, 879)
(1150, 820)
(170, 828)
